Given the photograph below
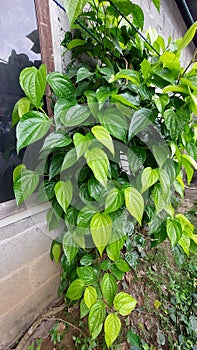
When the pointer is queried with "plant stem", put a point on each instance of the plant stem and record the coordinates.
(67, 322)
(193, 60)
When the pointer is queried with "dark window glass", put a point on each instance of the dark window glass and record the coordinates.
(19, 49)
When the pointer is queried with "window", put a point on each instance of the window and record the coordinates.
(20, 48)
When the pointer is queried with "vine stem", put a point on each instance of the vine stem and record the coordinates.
(67, 322)
(193, 60)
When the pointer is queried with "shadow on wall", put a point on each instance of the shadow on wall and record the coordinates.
(10, 93)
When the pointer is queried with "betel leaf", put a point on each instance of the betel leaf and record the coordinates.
(139, 121)
(75, 290)
(102, 94)
(136, 157)
(23, 106)
(92, 103)
(87, 274)
(114, 200)
(70, 159)
(33, 83)
(61, 85)
(84, 310)
(56, 165)
(25, 183)
(112, 327)
(103, 136)
(174, 231)
(75, 43)
(64, 193)
(95, 189)
(184, 242)
(98, 162)
(109, 288)
(69, 247)
(86, 260)
(134, 203)
(90, 296)
(62, 105)
(74, 9)
(157, 4)
(57, 139)
(114, 247)
(32, 127)
(56, 252)
(127, 74)
(124, 303)
(125, 6)
(122, 265)
(188, 37)
(148, 178)
(96, 318)
(101, 230)
(83, 73)
(81, 144)
(85, 216)
(75, 115)
(173, 123)
(138, 16)
(114, 122)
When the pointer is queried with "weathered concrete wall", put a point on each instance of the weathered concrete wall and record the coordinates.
(168, 23)
(28, 278)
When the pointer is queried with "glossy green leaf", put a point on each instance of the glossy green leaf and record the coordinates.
(85, 216)
(136, 157)
(83, 73)
(114, 248)
(125, 6)
(32, 127)
(124, 303)
(134, 203)
(148, 178)
(114, 200)
(84, 310)
(109, 288)
(33, 83)
(157, 4)
(92, 103)
(70, 159)
(25, 183)
(112, 327)
(140, 120)
(172, 123)
(184, 242)
(176, 88)
(90, 296)
(103, 136)
(114, 122)
(80, 143)
(69, 247)
(98, 162)
(62, 105)
(76, 115)
(75, 290)
(96, 318)
(101, 230)
(75, 43)
(102, 94)
(161, 102)
(127, 74)
(61, 85)
(86, 260)
(64, 193)
(188, 37)
(95, 189)
(122, 265)
(56, 252)
(55, 140)
(23, 106)
(127, 100)
(138, 16)
(174, 231)
(87, 274)
(56, 165)
(74, 9)
(165, 184)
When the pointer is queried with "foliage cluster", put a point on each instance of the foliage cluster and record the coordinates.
(121, 96)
